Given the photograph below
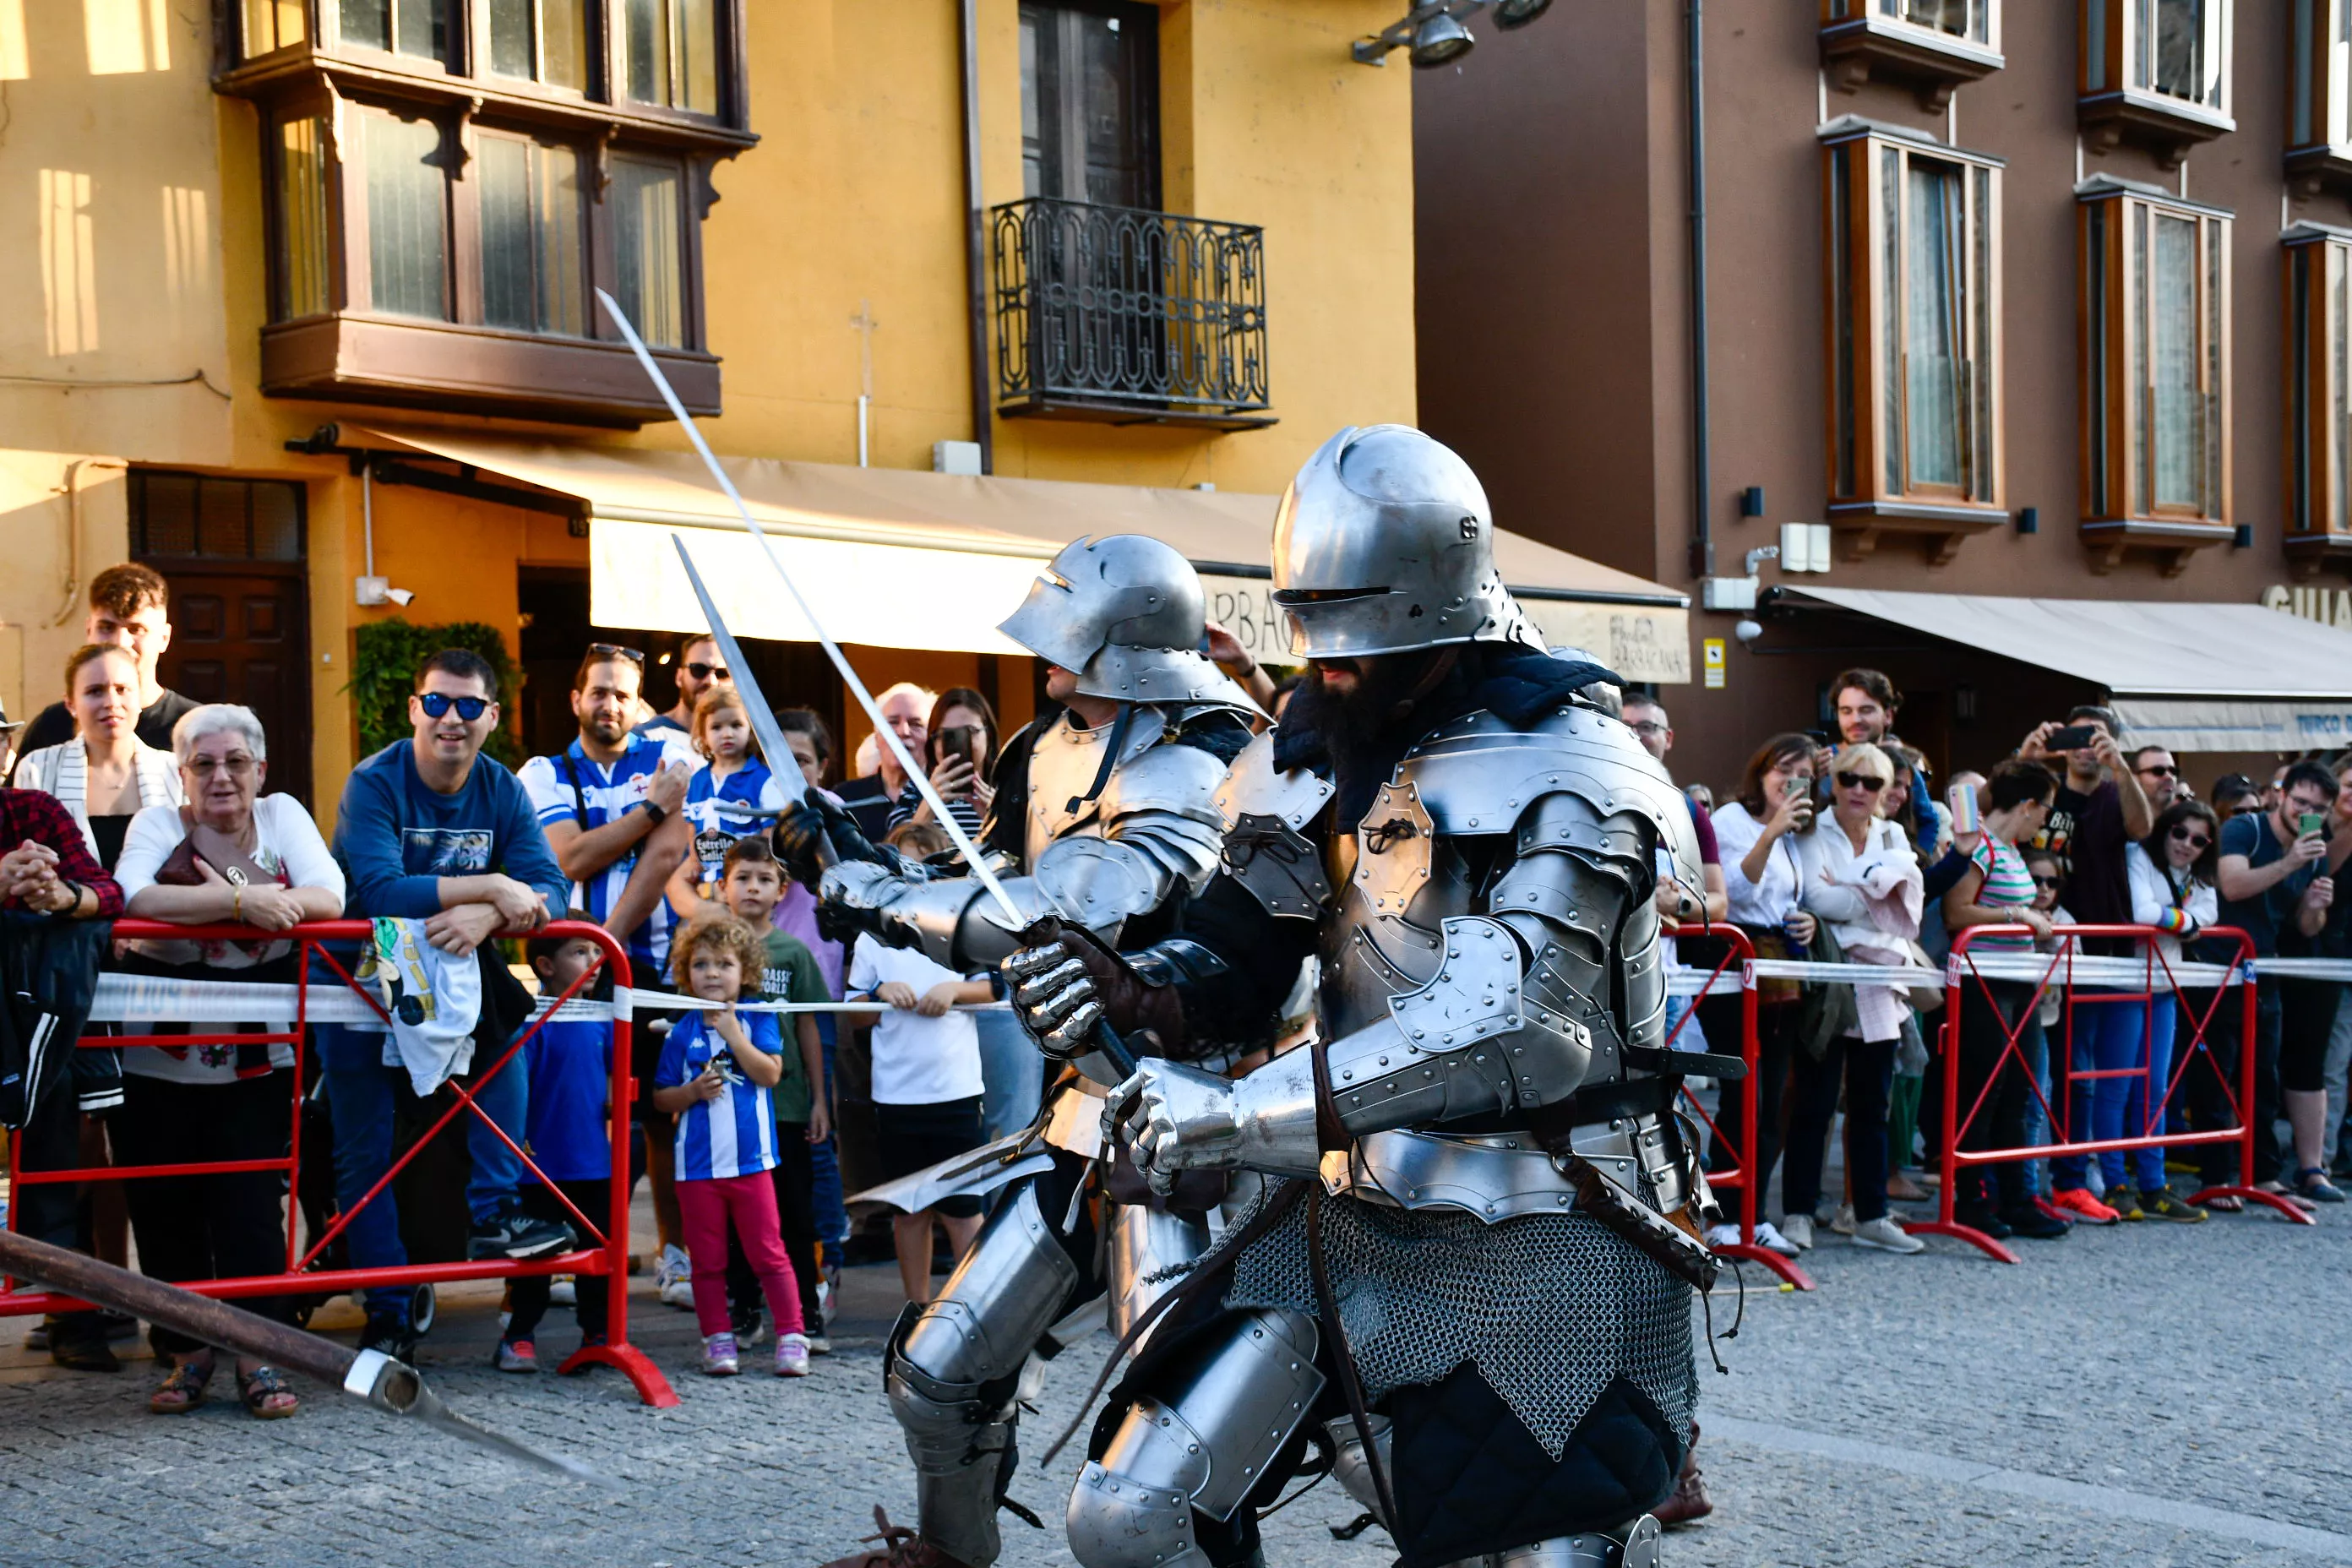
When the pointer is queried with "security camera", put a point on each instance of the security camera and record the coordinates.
(400, 596)
(1747, 631)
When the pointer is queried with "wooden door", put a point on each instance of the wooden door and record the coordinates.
(240, 633)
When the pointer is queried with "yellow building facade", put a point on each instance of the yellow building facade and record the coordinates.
(219, 217)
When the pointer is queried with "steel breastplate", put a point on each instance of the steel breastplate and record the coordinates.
(1063, 766)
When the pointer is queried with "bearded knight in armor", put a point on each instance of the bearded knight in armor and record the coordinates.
(1104, 820)
(1466, 1280)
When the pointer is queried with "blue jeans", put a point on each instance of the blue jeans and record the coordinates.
(2033, 1044)
(2107, 1037)
(1013, 1075)
(360, 1095)
(2120, 1106)
(832, 1215)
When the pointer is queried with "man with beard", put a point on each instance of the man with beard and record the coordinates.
(1467, 1278)
(609, 807)
(1105, 806)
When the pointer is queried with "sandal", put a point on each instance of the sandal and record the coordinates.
(263, 1384)
(2226, 1202)
(2281, 1190)
(182, 1389)
(2312, 1182)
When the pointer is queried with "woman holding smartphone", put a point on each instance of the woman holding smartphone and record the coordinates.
(961, 747)
(1756, 834)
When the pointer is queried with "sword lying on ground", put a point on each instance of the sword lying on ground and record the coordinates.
(370, 1376)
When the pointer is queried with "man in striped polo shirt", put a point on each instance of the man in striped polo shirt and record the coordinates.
(609, 805)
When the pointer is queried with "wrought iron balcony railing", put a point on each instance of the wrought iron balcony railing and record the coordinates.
(1116, 313)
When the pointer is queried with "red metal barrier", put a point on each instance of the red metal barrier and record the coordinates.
(1739, 1176)
(605, 1259)
(2056, 968)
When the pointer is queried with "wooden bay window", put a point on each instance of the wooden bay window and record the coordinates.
(2156, 72)
(2155, 373)
(1912, 242)
(2318, 372)
(1934, 44)
(449, 182)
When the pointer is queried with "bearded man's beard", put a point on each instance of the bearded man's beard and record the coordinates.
(1356, 725)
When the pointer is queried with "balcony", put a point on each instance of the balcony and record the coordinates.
(1128, 316)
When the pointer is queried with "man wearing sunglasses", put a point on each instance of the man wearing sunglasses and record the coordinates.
(698, 670)
(430, 829)
(2159, 776)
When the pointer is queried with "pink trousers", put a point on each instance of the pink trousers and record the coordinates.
(706, 1207)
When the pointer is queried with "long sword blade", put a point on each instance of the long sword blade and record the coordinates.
(882, 730)
(747, 685)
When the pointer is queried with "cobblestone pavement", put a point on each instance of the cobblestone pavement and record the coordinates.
(2151, 1395)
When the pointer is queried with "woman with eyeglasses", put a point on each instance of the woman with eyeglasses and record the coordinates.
(2172, 876)
(230, 856)
(1860, 876)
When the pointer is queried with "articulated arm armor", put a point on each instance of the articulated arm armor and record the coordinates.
(1150, 835)
(1496, 955)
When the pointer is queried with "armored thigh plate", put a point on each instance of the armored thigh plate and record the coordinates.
(1000, 1298)
(1146, 1246)
(1204, 1444)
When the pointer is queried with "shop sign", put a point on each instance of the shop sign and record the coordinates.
(2328, 607)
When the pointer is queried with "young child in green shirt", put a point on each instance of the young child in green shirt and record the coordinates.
(749, 887)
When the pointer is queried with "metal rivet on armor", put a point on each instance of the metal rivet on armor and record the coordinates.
(1448, 1039)
(1348, 1074)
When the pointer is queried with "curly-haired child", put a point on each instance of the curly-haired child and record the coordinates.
(714, 1076)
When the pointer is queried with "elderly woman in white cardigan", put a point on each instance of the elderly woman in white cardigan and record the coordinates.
(105, 775)
(230, 856)
(1860, 878)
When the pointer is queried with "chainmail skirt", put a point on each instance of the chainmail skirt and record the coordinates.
(1549, 1308)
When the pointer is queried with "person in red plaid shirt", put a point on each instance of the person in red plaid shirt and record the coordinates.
(47, 868)
(50, 870)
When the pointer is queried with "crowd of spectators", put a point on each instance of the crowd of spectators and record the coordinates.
(1833, 845)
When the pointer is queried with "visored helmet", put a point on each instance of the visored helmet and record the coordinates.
(1124, 614)
(1383, 544)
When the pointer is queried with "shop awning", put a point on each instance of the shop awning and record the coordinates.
(2194, 678)
(899, 558)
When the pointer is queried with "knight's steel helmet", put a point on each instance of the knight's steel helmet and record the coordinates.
(1126, 615)
(1383, 544)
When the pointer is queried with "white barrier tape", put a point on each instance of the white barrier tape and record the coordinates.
(663, 1001)
(2114, 973)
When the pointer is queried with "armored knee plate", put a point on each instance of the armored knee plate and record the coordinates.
(1204, 1444)
(953, 1373)
(1636, 1546)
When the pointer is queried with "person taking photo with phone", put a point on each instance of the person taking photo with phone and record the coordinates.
(2278, 883)
(2100, 809)
(960, 747)
(1756, 834)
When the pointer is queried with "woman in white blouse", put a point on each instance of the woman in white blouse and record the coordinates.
(1755, 836)
(2172, 876)
(105, 775)
(1861, 879)
(231, 856)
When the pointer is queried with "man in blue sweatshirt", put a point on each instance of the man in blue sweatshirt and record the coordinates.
(430, 829)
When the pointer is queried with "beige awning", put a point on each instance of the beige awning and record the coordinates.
(899, 558)
(2188, 677)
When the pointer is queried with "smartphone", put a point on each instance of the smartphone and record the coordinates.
(2072, 738)
(961, 740)
(1801, 791)
(1962, 799)
(2309, 823)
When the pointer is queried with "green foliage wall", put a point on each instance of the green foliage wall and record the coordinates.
(385, 672)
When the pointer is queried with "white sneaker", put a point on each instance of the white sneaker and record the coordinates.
(1723, 1235)
(674, 1277)
(1798, 1228)
(1883, 1235)
(1843, 1222)
(1771, 1240)
(793, 1355)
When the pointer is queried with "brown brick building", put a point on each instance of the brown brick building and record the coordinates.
(2038, 301)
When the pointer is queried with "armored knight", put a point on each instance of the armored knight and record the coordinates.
(1467, 1282)
(1105, 819)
